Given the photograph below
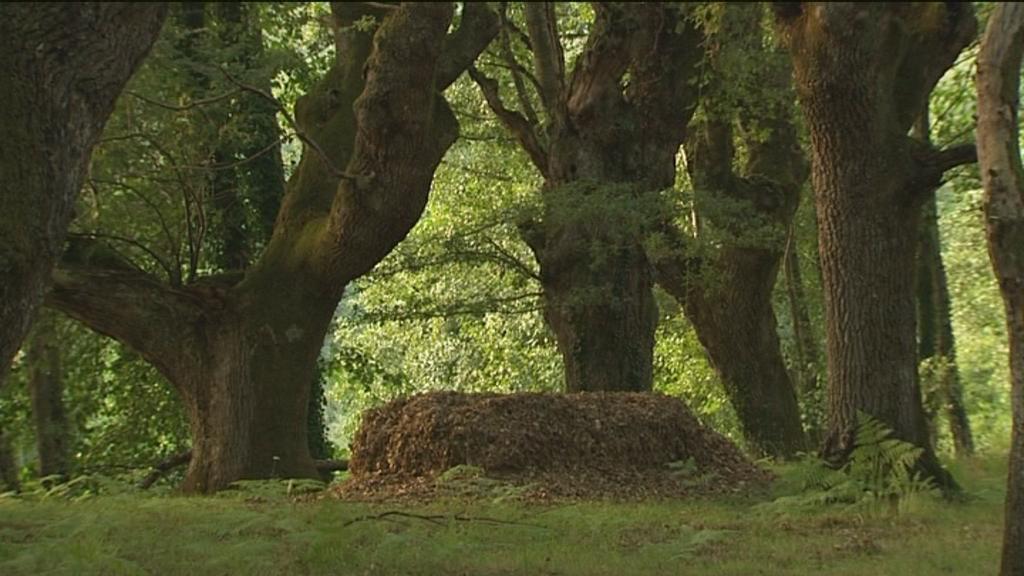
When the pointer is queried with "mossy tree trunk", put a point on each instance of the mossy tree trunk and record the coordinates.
(64, 66)
(603, 151)
(46, 385)
(725, 284)
(242, 353)
(998, 82)
(864, 73)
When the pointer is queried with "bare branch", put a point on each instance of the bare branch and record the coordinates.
(131, 242)
(517, 70)
(299, 133)
(519, 126)
(185, 107)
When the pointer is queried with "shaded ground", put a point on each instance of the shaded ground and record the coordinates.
(541, 446)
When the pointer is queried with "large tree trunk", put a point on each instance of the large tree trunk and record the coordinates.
(861, 87)
(736, 325)
(64, 65)
(602, 152)
(46, 388)
(746, 213)
(602, 311)
(242, 353)
(936, 340)
(240, 380)
(998, 81)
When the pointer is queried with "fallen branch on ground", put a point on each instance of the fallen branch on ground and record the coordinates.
(182, 458)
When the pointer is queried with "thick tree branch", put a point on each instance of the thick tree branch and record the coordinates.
(479, 26)
(606, 57)
(125, 303)
(404, 129)
(953, 157)
(549, 61)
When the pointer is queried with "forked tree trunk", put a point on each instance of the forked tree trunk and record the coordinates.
(602, 152)
(998, 82)
(46, 388)
(863, 77)
(242, 353)
(727, 294)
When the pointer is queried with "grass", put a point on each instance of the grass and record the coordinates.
(250, 532)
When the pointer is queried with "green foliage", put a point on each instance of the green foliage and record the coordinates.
(122, 415)
(879, 476)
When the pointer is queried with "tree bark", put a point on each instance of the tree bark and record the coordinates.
(65, 65)
(603, 152)
(745, 214)
(864, 73)
(998, 83)
(8, 465)
(46, 388)
(242, 353)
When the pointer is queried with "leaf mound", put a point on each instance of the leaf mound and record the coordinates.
(620, 445)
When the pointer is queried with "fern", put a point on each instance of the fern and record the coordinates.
(879, 475)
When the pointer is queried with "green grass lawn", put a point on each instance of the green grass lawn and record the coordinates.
(251, 533)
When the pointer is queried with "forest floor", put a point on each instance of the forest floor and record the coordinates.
(260, 530)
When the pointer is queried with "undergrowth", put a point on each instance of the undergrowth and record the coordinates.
(93, 526)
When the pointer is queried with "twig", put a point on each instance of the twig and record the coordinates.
(299, 133)
(438, 518)
(186, 107)
(165, 466)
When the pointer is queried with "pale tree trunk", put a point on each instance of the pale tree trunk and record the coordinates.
(602, 152)
(46, 388)
(242, 354)
(998, 82)
(862, 80)
(64, 66)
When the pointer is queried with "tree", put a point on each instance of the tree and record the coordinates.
(45, 388)
(936, 343)
(241, 348)
(603, 146)
(998, 84)
(745, 208)
(65, 66)
(864, 73)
